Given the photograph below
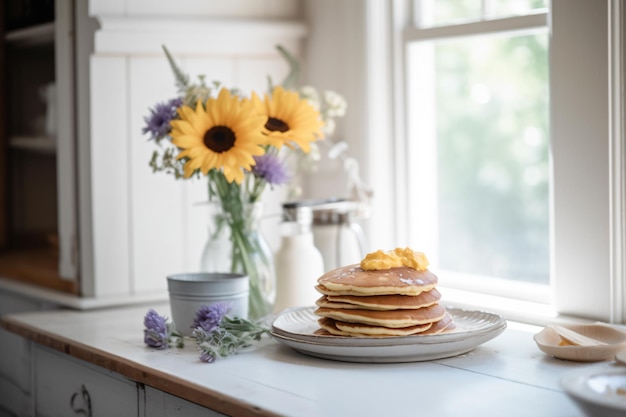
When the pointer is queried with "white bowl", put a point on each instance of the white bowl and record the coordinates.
(599, 392)
(548, 340)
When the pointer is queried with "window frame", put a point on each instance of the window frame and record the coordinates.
(587, 236)
(424, 222)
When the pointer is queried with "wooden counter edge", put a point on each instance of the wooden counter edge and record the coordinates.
(138, 373)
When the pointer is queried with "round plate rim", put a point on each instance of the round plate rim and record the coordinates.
(450, 343)
(574, 386)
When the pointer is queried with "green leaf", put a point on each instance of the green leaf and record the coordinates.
(182, 79)
(291, 81)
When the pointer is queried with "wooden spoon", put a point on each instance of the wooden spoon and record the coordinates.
(575, 337)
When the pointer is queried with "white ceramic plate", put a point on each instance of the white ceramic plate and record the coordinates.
(297, 328)
(598, 391)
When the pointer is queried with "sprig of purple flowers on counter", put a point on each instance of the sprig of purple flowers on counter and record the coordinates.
(217, 335)
(159, 333)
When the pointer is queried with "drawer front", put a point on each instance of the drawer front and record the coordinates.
(161, 404)
(65, 386)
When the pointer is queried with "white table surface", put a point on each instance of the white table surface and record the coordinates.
(507, 376)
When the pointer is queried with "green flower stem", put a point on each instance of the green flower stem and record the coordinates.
(245, 243)
(241, 255)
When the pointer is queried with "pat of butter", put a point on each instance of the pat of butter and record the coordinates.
(393, 259)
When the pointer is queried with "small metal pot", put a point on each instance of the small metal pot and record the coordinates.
(188, 292)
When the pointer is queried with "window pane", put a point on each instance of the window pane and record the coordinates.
(445, 12)
(490, 132)
(504, 8)
(432, 13)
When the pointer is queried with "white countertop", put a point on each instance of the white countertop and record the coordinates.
(507, 376)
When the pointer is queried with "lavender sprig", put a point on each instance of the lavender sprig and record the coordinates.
(159, 333)
(218, 335)
(158, 122)
(271, 169)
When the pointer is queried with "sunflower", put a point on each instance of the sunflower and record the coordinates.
(290, 120)
(224, 134)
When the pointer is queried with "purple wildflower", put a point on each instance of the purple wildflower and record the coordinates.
(207, 357)
(210, 317)
(158, 122)
(271, 169)
(156, 333)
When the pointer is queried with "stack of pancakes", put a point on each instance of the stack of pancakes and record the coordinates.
(398, 301)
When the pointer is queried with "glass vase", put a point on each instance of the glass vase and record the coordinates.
(235, 244)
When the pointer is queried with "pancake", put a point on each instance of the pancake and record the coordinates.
(353, 280)
(323, 301)
(340, 328)
(390, 318)
(388, 294)
(388, 302)
(369, 330)
(328, 327)
(380, 302)
(441, 326)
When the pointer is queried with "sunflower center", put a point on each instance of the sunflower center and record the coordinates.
(219, 139)
(274, 125)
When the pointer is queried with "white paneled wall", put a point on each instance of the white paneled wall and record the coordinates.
(215, 8)
(110, 176)
(145, 225)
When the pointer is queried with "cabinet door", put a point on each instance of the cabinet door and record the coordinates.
(65, 387)
(15, 361)
(161, 404)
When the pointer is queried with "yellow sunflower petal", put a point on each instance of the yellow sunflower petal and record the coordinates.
(301, 120)
(240, 135)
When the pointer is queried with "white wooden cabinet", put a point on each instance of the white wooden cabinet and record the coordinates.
(121, 228)
(38, 227)
(15, 361)
(64, 386)
(161, 404)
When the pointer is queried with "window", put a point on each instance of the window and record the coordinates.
(478, 138)
(561, 144)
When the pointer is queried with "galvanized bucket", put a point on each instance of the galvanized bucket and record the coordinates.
(188, 292)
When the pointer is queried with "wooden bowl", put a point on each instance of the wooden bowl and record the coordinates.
(549, 341)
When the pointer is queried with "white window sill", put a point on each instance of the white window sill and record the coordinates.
(522, 311)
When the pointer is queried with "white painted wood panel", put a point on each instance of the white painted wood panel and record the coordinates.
(196, 35)
(85, 28)
(149, 225)
(14, 401)
(65, 138)
(580, 148)
(250, 73)
(15, 360)
(59, 377)
(104, 7)
(217, 8)
(162, 404)
(15, 363)
(110, 176)
(335, 59)
(169, 223)
(154, 197)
